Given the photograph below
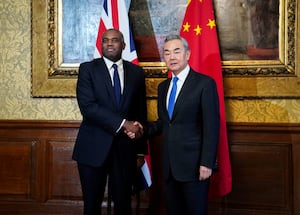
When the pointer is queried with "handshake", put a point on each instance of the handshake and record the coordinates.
(133, 129)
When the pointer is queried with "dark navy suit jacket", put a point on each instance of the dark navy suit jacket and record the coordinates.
(190, 138)
(101, 115)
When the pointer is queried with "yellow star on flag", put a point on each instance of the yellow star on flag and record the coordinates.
(197, 30)
(186, 27)
(211, 23)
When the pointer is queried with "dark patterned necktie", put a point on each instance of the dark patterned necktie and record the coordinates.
(117, 85)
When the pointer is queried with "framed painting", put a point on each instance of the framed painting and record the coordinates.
(258, 52)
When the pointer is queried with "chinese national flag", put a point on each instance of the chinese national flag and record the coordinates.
(199, 29)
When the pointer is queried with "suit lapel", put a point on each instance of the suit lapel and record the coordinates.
(103, 74)
(129, 81)
(127, 86)
(164, 96)
(187, 87)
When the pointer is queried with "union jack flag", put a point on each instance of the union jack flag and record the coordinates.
(115, 15)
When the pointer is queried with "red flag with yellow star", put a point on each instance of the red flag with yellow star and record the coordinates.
(199, 29)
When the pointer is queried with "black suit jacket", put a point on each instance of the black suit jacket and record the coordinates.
(101, 116)
(190, 138)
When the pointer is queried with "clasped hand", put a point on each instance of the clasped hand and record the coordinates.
(134, 130)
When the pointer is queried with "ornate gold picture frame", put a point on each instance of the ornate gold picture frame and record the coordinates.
(242, 78)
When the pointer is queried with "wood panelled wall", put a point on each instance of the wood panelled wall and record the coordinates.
(38, 176)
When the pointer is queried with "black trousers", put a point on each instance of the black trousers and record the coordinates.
(119, 169)
(186, 197)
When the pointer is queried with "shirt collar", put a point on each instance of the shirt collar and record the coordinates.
(183, 74)
(109, 63)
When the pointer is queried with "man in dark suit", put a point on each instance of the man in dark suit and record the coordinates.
(102, 149)
(190, 131)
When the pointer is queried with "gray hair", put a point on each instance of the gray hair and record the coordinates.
(177, 37)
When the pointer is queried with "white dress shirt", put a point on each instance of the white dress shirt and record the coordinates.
(109, 65)
(181, 78)
(119, 63)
